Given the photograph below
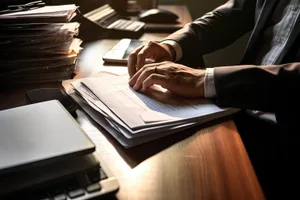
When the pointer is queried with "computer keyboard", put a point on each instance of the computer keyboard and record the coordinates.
(82, 187)
(123, 24)
(106, 22)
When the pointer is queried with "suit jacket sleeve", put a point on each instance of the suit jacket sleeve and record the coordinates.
(214, 30)
(272, 88)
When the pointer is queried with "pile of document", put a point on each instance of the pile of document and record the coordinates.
(133, 118)
(39, 45)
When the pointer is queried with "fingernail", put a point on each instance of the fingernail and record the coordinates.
(132, 81)
(135, 87)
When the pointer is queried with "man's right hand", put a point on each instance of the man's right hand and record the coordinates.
(151, 50)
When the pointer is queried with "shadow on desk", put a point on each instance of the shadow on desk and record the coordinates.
(135, 155)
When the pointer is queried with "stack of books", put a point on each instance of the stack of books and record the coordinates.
(39, 45)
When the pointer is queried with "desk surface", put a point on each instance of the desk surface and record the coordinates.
(210, 163)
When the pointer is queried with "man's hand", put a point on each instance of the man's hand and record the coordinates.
(152, 50)
(178, 79)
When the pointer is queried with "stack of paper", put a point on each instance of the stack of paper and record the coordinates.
(46, 14)
(134, 118)
(39, 45)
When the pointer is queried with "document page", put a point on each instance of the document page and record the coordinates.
(157, 106)
(115, 121)
(61, 10)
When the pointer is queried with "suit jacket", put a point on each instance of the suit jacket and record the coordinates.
(274, 88)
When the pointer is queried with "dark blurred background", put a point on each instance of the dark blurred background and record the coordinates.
(228, 56)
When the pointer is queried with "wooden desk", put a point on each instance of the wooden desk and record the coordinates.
(211, 163)
(207, 164)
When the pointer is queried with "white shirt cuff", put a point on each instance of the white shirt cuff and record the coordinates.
(176, 46)
(209, 84)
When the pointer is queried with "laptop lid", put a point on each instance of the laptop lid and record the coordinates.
(38, 134)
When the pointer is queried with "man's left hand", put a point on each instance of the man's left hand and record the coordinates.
(176, 78)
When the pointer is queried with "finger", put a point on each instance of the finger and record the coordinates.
(133, 79)
(143, 76)
(132, 61)
(154, 79)
(159, 70)
(144, 53)
(154, 64)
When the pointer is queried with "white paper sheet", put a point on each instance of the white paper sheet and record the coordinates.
(130, 106)
(95, 103)
(60, 10)
(116, 126)
(126, 142)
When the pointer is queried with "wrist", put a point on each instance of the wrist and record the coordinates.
(170, 50)
(200, 73)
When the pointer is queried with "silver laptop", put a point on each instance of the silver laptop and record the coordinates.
(44, 154)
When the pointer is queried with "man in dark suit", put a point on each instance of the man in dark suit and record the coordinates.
(266, 85)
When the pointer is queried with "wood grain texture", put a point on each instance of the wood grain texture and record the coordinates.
(209, 164)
